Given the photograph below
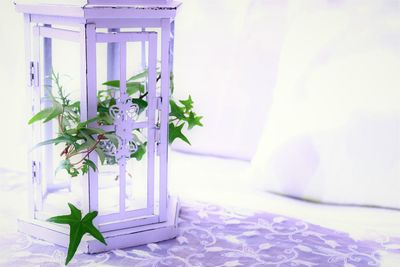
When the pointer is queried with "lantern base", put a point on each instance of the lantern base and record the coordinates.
(117, 239)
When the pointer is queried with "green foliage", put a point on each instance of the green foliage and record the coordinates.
(81, 138)
(180, 115)
(78, 227)
(131, 87)
(138, 155)
(193, 120)
(176, 132)
(188, 104)
(41, 115)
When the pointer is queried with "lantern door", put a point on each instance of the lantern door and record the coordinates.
(52, 76)
(125, 188)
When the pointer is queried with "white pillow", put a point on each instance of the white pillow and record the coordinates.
(333, 132)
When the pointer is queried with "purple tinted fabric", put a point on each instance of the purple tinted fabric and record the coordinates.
(210, 235)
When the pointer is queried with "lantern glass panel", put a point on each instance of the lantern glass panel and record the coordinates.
(56, 186)
(127, 185)
(137, 179)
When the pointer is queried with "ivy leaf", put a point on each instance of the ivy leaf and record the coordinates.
(131, 87)
(87, 136)
(113, 83)
(94, 131)
(47, 114)
(113, 138)
(101, 155)
(73, 172)
(90, 164)
(56, 110)
(81, 147)
(91, 142)
(138, 155)
(176, 132)
(105, 118)
(87, 163)
(134, 87)
(176, 111)
(187, 103)
(76, 105)
(85, 169)
(193, 120)
(85, 123)
(41, 115)
(138, 76)
(64, 164)
(142, 104)
(78, 227)
(68, 139)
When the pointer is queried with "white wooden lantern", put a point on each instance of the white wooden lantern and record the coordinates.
(132, 199)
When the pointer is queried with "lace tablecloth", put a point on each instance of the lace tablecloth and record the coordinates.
(210, 235)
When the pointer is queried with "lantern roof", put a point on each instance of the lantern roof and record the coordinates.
(102, 8)
(84, 3)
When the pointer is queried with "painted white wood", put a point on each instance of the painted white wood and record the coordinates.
(134, 239)
(123, 238)
(122, 163)
(107, 11)
(113, 217)
(127, 2)
(37, 105)
(82, 3)
(128, 223)
(92, 109)
(130, 12)
(151, 126)
(67, 35)
(127, 228)
(84, 111)
(143, 52)
(136, 125)
(112, 58)
(28, 48)
(122, 37)
(125, 23)
(58, 20)
(48, 172)
(165, 93)
(55, 10)
(79, 3)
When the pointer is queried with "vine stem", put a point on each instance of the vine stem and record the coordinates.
(144, 95)
(99, 137)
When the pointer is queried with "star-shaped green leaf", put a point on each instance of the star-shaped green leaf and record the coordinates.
(194, 120)
(176, 111)
(187, 103)
(78, 227)
(131, 87)
(139, 153)
(176, 132)
(142, 104)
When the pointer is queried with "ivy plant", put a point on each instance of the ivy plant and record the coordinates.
(77, 228)
(81, 138)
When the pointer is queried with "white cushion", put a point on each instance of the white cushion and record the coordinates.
(333, 132)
